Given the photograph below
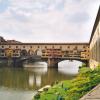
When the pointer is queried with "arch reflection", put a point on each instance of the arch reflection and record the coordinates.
(69, 67)
(34, 78)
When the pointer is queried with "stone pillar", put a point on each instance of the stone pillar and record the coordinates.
(9, 63)
(17, 62)
(52, 62)
(86, 62)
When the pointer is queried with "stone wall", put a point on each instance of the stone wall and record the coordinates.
(95, 43)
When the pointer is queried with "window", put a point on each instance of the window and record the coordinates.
(75, 48)
(13, 51)
(9, 46)
(71, 51)
(16, 46)
(2, 46)
(23, 46)
(45, 47)
(30, 46)
(68, 46)
(60, 47)
(2, 51)
(53, 47)
(83, 46)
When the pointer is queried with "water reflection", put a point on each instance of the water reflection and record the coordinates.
(69, 67)
(31, 80)
(21, 82)
(9, 94)
(36, 77)
(38, 81)
(39, 70)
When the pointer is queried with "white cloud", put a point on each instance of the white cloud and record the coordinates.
(49, 20)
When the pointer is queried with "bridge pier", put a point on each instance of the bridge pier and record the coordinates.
(86, 62)
(17, 62)
(52, 62)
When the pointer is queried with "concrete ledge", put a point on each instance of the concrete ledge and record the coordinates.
(94, 94)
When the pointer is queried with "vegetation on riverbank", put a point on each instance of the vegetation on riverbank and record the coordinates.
(73, 89)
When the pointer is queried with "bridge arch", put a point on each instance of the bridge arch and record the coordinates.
(54, 62)
(30, 52)
(23, 52)
(38, 52)
(82, 61)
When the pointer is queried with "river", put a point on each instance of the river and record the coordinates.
(20, 83)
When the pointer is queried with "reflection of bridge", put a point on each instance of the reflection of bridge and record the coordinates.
(49, 52)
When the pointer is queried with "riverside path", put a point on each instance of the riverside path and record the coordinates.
(94, 94)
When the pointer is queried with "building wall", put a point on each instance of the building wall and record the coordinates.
(95, 44)
(71, 49)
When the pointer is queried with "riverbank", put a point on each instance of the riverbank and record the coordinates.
(94, 94)
(74, 89)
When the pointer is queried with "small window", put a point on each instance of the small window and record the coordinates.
(30, 46)
(9, 46)
(16, 46)
(60, 47)
(13, 51)
(23, 46)
(2, 51)
(71, 51)
(76, 47)
(45, 47)
(83, 46)
(2, 46)
(68, 46)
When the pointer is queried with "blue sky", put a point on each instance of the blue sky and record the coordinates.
(48, 20)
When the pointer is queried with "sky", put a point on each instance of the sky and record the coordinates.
(48, 20)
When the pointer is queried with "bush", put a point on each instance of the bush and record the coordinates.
(86, 80)
(45, 89)
(37, 96)
(84, 65)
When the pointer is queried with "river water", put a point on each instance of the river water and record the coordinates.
(20, 83)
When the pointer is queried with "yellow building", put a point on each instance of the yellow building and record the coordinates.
(95, 43)
(85, 55)
(9, 52)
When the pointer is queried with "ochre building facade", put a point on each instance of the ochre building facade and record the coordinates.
(95, 43)
(54, 50)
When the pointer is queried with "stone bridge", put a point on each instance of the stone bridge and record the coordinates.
(52, 53)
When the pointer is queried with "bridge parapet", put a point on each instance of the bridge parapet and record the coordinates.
(67, 51)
